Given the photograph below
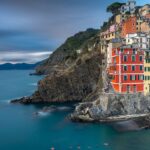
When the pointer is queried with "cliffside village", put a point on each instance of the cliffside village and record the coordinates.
(126, 45)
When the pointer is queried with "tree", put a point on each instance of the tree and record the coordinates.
(114, 7)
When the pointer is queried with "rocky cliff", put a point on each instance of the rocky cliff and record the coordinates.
(113, 107)
(66, 54)
(73, 71)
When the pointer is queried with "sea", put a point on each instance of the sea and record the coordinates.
(27, 127)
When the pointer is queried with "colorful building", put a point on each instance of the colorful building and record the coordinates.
(127, 70)
(129, 26)
(128, 7)
(139, 40)
(110, 33)
(113, 44)
(118, 18)
(147, 73)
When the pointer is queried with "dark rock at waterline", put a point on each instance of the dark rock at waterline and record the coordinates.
(35, 98)
(23, 100)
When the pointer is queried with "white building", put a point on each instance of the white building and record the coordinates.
(115, 43)
(128, 7)
(139, 40)
(109, 54)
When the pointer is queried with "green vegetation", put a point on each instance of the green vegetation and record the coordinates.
(67, 51)
(75, 42)
(106, 25)
(114, 7)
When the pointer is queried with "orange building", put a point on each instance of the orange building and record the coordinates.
(129, 26)
(127, 70)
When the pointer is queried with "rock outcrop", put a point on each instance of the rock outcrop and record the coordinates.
(73, 71)
(113, 107)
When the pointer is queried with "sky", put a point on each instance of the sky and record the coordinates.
(31, 29)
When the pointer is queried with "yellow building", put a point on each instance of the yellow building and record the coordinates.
(118, 18)
(147, 73)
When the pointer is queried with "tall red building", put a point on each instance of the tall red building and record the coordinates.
(127, 70)
(129, 26)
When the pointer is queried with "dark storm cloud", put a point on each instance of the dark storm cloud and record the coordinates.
(42, 25)
(52, 20)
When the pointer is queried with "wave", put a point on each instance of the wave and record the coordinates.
(41, 113)
(5, 101)
(48, 110)
(33, 84)
(63, 108)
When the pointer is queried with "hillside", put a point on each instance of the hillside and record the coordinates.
(71, 76)
(66, 53)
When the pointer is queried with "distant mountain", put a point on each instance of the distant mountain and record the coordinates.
(20, 66)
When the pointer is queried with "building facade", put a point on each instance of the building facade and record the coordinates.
(147, 73)
(127, 70)
(113, 44)
(129, 26)
(139, 40)
(128, 7)
(144, 10)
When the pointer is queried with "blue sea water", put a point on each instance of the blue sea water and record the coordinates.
(21, 129)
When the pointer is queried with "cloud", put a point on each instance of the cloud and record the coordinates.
(23, 57)
(21, 40)
(42, 25)
(47, 20)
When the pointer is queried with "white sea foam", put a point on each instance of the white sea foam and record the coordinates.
(63, 108)
(5, 101)
(41, 113)
(33, 84)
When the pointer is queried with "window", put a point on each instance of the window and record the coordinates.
(115, 60)
(140, 77)
(128, 88)
(132, 77)
(125, 77)
(141, 58)
(116, 52)
(125, 58)
(125, 68)
(133, 68)
(121, 50)
(141, 68)
(134, 88)
(133, 58)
